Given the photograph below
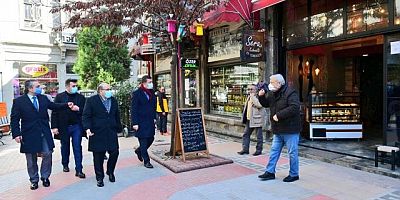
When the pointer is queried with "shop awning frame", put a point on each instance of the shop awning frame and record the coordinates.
(261, 4)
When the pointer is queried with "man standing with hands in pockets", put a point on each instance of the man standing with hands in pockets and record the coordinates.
(30, 127)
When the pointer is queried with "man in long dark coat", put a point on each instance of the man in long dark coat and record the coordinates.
(143, 115)
(102, 122)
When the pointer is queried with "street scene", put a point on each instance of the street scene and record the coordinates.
(200, 99)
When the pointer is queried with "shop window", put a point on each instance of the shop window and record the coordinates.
(190, 88)
(365, 15)
(32, 14)
(326, 19)
(393, 90)
(397, 12)
(70, 68)
(164, 80)
(296, 21)
(46, 74)
(228, 88)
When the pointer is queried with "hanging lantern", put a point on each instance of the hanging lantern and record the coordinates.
(199, 29)
(171, 26)
(145, 38)
(181, 32)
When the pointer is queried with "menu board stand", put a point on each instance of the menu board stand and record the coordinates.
(190, 135)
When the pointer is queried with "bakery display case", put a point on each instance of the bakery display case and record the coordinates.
(228, 87)
(334, 115)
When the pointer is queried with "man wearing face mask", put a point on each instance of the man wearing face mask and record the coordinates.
(284, 105)
(253, 118)
(102, 122)
(67, 124)
(143, 114)
(30, 127)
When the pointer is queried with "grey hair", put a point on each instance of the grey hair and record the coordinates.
(101, 86)
(279, 78)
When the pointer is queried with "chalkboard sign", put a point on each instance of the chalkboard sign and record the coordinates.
(191, 137)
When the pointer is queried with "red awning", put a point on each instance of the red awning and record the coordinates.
(261, 4)
(220, 15)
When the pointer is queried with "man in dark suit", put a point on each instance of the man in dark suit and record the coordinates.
(30, 127)
(102, 122)
(67, 124)
(143, 118)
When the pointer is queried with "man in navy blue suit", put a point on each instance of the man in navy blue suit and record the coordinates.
(143, 118)
(30, 127)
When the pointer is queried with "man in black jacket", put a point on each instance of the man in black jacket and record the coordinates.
(284, 105)
(67, 124)
(101, 120)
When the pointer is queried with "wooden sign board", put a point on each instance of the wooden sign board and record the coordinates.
(190, 134)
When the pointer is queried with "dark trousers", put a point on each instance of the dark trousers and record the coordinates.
(74, 132)
(246, 138)
(163, 122)
(145, 143)
(45, 168)
(98, 159)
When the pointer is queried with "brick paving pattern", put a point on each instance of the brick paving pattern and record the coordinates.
(318, 180)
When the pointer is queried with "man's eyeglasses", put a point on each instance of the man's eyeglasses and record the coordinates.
(106, 89)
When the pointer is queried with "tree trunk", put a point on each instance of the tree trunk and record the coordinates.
(173, 97)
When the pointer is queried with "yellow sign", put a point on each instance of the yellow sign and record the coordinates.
(35, 70)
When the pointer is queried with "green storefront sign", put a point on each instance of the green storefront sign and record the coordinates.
(189, 63)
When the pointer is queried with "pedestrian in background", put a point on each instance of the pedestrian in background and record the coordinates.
(30, 127)
(101, 121)
(143, 118)
(67, 124)
(162, 110)
(284, 105)
(253, 117)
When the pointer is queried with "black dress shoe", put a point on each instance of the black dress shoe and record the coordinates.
(139, 156)
(100, 183)
(66, 169)
(242, 152)
(257, 153)
(34, 186)
(291, 178)
(46, 182)
(111, 177)
(80, 175)
(148, 165)
(267, 176)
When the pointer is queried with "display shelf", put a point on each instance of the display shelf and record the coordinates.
(334, 115)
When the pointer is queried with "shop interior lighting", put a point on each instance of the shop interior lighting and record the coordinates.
(365, 55)
(317, 71)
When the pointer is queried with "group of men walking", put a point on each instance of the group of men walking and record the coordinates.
(73, 117)
(98, 119)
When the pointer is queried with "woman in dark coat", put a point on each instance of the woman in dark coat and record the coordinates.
(102, 122)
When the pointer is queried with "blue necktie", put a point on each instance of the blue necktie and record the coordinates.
(35, 103)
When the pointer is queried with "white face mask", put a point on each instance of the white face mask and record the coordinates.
(149, 86)
(43, 92)
(272, 88)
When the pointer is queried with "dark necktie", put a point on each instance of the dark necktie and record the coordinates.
(35, 103)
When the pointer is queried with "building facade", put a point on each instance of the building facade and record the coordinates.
(30, 49)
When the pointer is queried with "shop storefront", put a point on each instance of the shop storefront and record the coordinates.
(46, 74)
(341, 56)
(228, 79)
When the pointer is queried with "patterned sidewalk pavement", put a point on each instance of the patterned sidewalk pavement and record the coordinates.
(318, 180)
